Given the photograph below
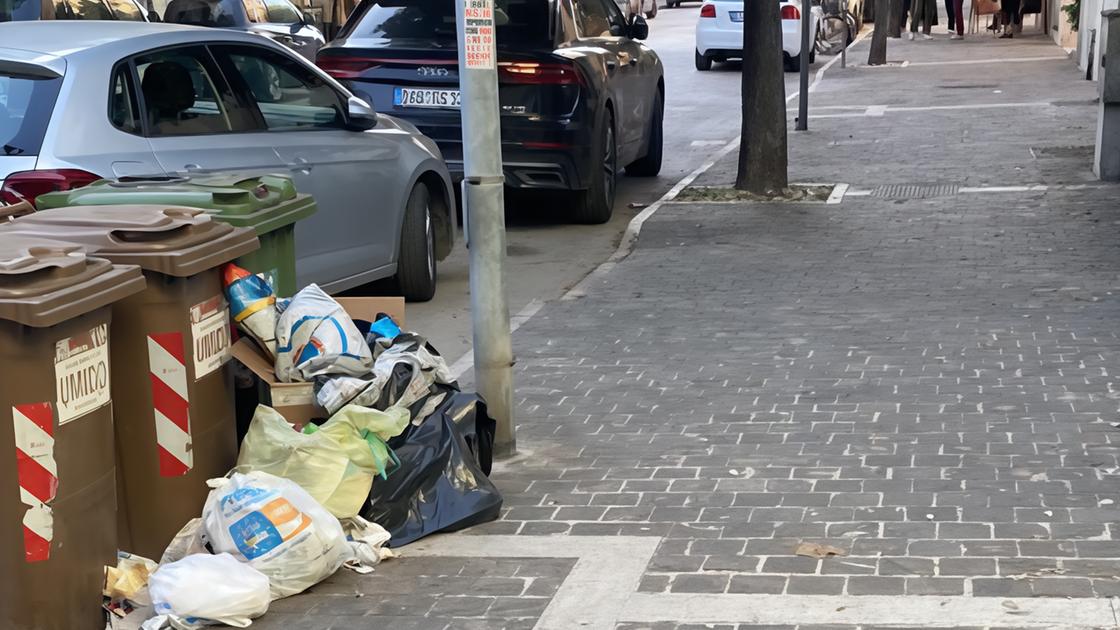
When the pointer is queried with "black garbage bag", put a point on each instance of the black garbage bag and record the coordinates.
(442, 482)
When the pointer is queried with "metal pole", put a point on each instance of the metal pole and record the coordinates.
(803, 92)
(847, 35)
(484, 198)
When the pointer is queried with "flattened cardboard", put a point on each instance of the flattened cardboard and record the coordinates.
(296, 401)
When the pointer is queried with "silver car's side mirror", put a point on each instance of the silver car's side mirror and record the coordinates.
(360, 115)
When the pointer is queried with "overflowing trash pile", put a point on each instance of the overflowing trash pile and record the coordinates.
(399, 453)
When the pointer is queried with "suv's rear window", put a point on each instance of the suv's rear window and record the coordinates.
(25, 109)
(431, 23)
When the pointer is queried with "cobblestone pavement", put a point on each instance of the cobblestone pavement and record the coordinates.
(924, 379)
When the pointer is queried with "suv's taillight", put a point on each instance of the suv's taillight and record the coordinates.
(534, 73)
(28, 185)
(341, 67)
(790, 12)
(708, 11)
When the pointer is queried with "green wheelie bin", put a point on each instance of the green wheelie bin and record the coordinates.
(267, 203)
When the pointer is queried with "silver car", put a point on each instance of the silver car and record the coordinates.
(81, 100)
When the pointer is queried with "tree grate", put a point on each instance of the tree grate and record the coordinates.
(914, 191)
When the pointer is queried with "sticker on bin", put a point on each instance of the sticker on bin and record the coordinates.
(81, 370)
(38, 476)
(170, 403)
(210, 335)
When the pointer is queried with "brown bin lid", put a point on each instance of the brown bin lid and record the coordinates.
(45, 282)
(172, 240)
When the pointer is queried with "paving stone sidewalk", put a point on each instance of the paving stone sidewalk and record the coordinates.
(921, 377)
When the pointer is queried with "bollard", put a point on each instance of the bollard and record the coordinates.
(1106, 162)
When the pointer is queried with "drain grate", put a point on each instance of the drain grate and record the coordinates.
(914, 191)
(1077, 152)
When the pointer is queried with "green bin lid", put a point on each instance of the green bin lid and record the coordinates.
(263, 202)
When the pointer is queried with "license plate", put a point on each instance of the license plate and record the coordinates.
(425, 97)
(736, 16)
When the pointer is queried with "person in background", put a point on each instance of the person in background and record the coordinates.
(1012, 18)
(956, 19)
(949, 14)
(924, 11)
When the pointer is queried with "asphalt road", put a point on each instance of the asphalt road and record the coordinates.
(547, 255)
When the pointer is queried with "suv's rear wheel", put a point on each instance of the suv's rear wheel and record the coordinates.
(596, 204)
(649, 165)
(416, 265)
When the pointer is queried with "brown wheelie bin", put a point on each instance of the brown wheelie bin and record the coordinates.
(172, 396)
(58, 522)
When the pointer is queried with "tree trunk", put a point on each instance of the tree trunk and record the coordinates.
(763, 153)
(898, 17)
(884, 17)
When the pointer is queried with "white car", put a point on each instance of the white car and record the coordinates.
(719, 32)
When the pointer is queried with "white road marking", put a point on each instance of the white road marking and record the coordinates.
(879, 110)
(1003, 189)
(607, 572)
(600, 592)
(871, 610)
(976, 62)
(831, 62)
(466, 362)
(837, 194)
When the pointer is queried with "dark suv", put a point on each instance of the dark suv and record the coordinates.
(581, 96)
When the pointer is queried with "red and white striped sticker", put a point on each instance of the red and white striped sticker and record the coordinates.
(171, 404)
(38, 476)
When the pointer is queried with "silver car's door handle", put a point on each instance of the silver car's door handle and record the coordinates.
(191, 167)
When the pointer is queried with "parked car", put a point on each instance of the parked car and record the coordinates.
(719, 32)
(112, 99)
(581, 96)
(279, 20)
(674, 3)
(31, 10)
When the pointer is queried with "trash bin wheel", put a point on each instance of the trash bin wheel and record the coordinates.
(416, 265)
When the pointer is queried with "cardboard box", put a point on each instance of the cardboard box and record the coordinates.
(296, 401)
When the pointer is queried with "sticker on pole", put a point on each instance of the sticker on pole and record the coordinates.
(478, 34)
(38, 476)
(210, 335)
(81, 372)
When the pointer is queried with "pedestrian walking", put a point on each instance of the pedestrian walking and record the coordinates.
(949, 14)
(924, 11)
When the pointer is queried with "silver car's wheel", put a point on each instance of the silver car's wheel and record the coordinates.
(416, 266)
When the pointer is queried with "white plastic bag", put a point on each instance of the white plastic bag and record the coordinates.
(276, 527)
(336, 464)
(188, 541)
(367, 540)
(315, 335)
(202, 590)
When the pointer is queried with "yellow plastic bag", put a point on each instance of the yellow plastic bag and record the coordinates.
(336, 464)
